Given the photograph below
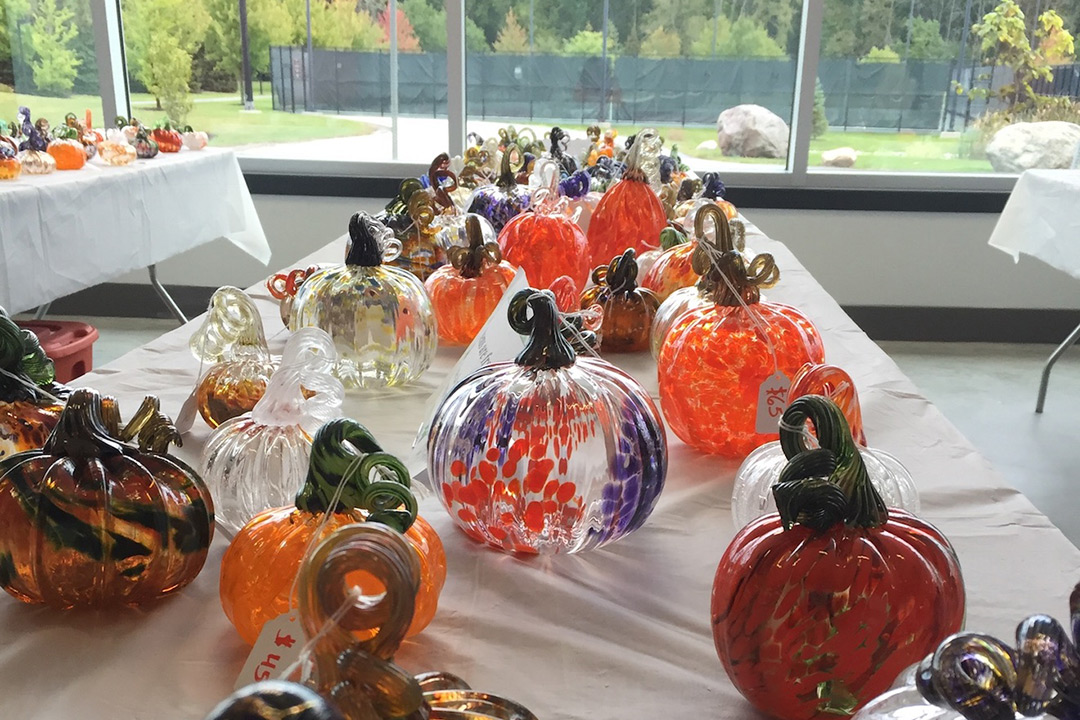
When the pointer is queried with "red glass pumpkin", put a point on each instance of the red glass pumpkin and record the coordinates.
(720, 361)
(818, 608)
(547, 245)
(168, 140)
(628, 309)
(465, 292)
(629, 215)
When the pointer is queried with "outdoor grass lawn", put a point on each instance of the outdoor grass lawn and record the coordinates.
(220, 114)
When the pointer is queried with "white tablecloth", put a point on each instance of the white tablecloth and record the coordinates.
(1042, 219)
(622, 632)
(67, 231)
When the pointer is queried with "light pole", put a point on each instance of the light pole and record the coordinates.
(308, 62)
(249, 100)
(604, 78)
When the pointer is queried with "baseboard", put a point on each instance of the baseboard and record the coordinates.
(880, 322)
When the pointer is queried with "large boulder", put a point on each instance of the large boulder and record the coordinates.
(842, 157)
(752, 131)
(1023, 146)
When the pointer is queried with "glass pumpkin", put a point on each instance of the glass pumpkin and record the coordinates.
(720, 362)
(353, 641)
(752, 494)
(145, 146)
(194, 139)
(465, 292)
(84, 133)
(816, 609)
(630, 213)
(258, 460)
(545, 243)
(673, 269)
(116, 152)
(551, 453)
(420, 251)
(167, 139)
(259, 568)
(232, 340)
(10, 165)
(90, 521)
(670, 310)
(30, 400)
(68, 154)
(972, 676)
(284, 286)
(380, 317)
(628, 309)
(36, 162)
(503, 200)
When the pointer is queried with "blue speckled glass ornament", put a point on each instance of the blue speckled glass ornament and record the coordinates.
(503, 200)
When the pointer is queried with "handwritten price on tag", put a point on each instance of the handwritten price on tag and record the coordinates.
(772, 401)
(277, 648)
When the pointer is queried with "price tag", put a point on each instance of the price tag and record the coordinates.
(771, 403)
(186, 418)
(496, 342)
(277, 648)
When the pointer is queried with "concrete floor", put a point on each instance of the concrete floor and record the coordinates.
(987, 391)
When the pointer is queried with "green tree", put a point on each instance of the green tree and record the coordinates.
(778, 18)
(512, 38)
(925, 41)
(55, 63)
(429, 24)
(162, 36)
(270, 22)
(591, 42)
(748, 39)
(339, 25)
(880, 55)
(661, 43)
(821, 120)
(683, 18)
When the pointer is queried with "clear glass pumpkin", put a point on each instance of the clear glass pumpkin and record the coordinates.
(380, 317)
(677, 303)
(231, 340)
(551, 453)
(258, 460)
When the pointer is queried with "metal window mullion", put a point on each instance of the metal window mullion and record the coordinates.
(802, 119)
(111, 60)
(455, 75)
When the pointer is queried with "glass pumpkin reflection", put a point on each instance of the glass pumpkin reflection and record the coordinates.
(232, 338)
(551, 453)
(628, 309)
(258, 460)
(90, 521)
(380, 317)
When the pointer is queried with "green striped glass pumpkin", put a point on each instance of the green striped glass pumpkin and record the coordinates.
(88, 520)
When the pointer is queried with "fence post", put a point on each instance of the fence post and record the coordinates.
(847, 90)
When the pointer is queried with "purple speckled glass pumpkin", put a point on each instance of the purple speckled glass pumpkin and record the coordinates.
(505, 199)
(550, 453)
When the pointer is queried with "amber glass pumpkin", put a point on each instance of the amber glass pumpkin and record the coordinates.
(818, 608)
(91, 521)
(628, 309)
(421, 253)
(232, 342)
(117, 151)
(10, 166)
(720, 365)
(260, 567)
(30, 402)
(545, 243)
(465, 292)
(167, 139)
(630, 214)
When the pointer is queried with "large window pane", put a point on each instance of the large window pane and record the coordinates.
(186, 63)
(675, 65)
(925, 85)
(47, 60)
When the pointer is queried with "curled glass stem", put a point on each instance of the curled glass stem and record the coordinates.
(725, 275)
(470, 261)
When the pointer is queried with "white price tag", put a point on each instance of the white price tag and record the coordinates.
(277, 648)
(496, 342)
(771, 403)
(188, 410)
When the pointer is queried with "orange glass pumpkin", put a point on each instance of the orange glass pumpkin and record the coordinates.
(628, 309)
(818, 608)
(10, 166)
(629, 215)
(91, 521)
(259, 569)
(672, 270)
(66, 149)
(720, 365)
(28, 396)
(465, 292)
(546, 243)
(168, 140)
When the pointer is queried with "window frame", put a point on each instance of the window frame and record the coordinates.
(795, 176)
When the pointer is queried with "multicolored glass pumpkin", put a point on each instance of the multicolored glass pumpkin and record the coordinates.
(550, 453)
(502, 201)
(752, 494)
(32, 156)
(545, 243)
(145, 146)
(816, 609)
(630, 214)
(725, 368)
(90, 521)
(232, 341)
(10, 166)
(420, 251)
(465, 292)
(260, 566)
(30, 400)
(258, 460)
(628, 309)
(380, 317)
(85, 133)
(167, 139)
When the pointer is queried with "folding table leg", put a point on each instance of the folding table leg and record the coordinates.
(1050, 366)
(42, 311)
(170, 303)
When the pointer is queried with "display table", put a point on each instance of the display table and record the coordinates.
(67, 231)
(1040, 220)
(622, 632)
